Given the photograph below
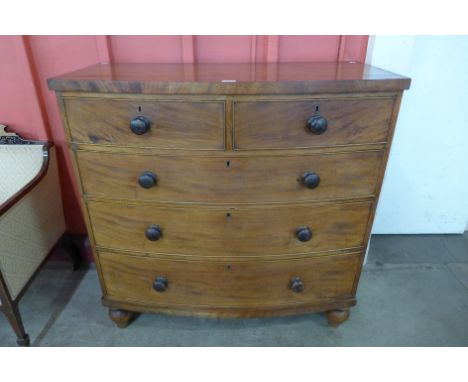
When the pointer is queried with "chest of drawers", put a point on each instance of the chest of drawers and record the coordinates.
(229, 190)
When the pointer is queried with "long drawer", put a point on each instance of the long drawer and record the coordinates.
(229, 179)
(276, 124)
(175, 124)
(228, 282)
(217, 231)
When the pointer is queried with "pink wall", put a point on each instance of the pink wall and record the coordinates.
(30, 109)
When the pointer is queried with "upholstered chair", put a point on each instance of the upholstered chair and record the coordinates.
(31, 219)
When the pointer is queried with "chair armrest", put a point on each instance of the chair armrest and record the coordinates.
(13, 140)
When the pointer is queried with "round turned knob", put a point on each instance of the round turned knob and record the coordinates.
(147, 179)
(160, 284)
(296, 285)
(140, 125)
(317, 124)
(310, 179)
(153, 232)
(303, 233)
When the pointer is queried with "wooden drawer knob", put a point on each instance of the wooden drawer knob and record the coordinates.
(317, 124)
(303, 233)
(296, 285)
(310, 179)
(147, 179)
(153, 232)
(160, 284)
(140, 125)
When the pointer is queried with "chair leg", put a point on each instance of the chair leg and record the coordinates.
(14, 317)
(73, 249)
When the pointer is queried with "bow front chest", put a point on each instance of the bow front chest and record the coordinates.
(229, 190)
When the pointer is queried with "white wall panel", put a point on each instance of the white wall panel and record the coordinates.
(426, 184)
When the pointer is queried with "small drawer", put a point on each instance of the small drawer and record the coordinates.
(230, 179)
(165, 124)
(228, 282)
(284, 124)
(215, 231)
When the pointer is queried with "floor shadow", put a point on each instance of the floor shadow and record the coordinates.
(61, 300)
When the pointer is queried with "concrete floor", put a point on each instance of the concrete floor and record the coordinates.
(413, 292)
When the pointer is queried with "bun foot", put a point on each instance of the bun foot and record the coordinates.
(122, 318)
(337, 316)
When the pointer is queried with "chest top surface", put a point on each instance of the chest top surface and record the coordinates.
(259, 78)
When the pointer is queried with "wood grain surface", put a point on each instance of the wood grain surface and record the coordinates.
(245, 284)
(230, 78)
(229, 179)
(281, 124)
(214, 231)
(174, 124)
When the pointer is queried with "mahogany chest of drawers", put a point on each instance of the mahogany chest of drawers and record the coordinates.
(230, 190)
